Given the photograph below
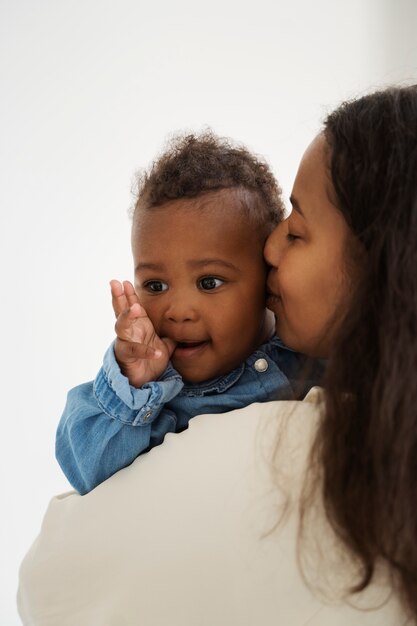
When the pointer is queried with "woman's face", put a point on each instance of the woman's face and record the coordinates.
(307, 281)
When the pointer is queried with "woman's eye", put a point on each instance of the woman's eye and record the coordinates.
(155, 286)
(290, 237)
(208, 283)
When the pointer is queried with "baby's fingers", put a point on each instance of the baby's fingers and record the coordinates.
(130, 293)
(127, 327)
(128, 351)
(170, 344)
(119, 300)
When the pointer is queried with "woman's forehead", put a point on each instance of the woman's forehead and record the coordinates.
(313, 194)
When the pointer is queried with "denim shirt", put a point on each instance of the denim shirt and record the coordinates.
(107, 423)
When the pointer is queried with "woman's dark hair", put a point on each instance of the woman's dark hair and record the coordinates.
(196, 164)
(367, 442)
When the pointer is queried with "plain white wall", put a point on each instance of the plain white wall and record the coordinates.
(90, 89)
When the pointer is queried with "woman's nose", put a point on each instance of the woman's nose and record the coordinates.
(274, 245)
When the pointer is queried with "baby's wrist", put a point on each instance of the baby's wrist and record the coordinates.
(138, 379)
(134, 379)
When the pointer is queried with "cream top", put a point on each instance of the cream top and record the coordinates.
(184, 536)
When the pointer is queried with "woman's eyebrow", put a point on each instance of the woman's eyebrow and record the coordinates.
(296, 206)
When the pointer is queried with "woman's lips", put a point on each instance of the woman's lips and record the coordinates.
(186, 349)
(272, 299)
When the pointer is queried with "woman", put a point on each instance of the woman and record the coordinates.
(205, 546)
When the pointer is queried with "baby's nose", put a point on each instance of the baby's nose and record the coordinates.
(181, 309)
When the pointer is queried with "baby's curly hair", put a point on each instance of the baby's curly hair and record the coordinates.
(196, 164)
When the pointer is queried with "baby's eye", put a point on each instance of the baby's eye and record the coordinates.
(208, 283)
(155, 286)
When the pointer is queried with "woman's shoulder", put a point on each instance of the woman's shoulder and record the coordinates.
(185, 535)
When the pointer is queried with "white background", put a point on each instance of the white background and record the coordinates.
(89, 92)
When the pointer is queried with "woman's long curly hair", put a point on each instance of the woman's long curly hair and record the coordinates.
(367, 441)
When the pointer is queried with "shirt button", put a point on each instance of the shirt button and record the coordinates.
(147, 416)
(261, 365)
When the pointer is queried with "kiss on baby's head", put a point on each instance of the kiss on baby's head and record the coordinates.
(203, 213)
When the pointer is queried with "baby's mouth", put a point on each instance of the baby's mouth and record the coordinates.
(189, 348)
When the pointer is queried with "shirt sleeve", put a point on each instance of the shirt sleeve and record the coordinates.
(107, 423)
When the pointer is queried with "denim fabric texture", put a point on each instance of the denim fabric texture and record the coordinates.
(107, 423)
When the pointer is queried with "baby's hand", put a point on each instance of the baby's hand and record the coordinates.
(140, 353)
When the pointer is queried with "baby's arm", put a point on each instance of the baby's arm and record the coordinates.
(108, 423)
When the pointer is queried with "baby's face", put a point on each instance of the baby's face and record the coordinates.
(200, 274)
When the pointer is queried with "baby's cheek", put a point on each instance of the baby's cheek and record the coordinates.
(152, 311)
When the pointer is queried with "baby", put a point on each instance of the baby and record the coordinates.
(193, 335)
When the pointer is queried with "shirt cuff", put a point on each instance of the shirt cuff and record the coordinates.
(131, 405)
